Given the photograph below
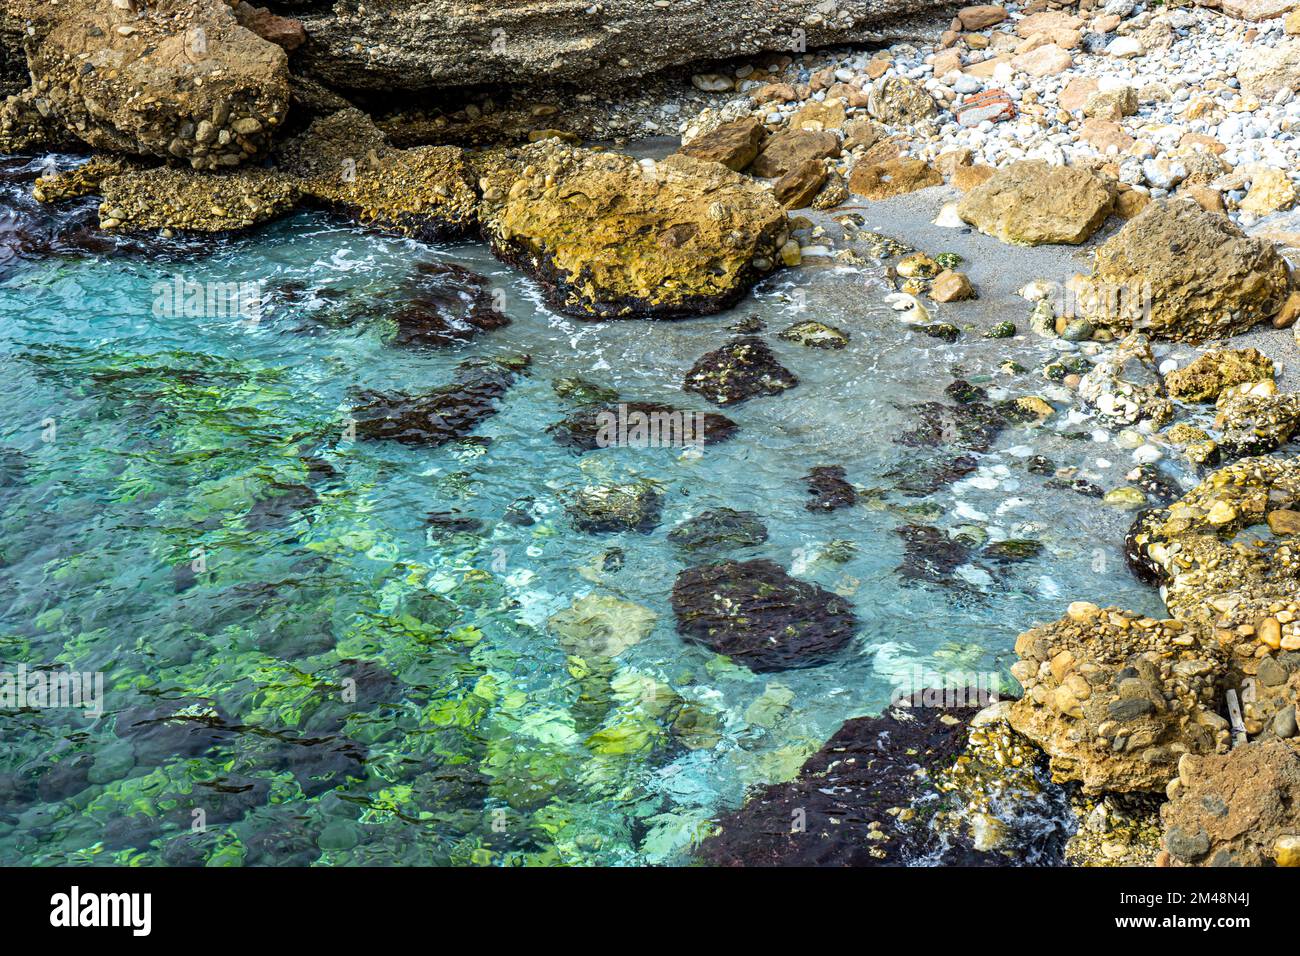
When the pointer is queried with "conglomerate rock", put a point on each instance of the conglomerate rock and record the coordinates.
(186, 81)
(1115, 698)
(1236, 809)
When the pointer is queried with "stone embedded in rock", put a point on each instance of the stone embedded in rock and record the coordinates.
(344, 162)
(742, 369)
(733, 144)
(148, 89)
(1033, 202)
(1114, 698)
(1179, 272)
(897, 101)
(791, 148)
(610, 237)
(756, 613)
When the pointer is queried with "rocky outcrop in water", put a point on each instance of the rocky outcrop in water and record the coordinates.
(1115, 698)
(430, 44)
(756, 613)
(610, 237)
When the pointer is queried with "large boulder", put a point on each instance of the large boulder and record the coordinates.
(185, 82)
(1033, 202)
(433, 44)
(1236, 809)
(610, 237)
(1178, 272)
(1115, 698)
(1271, 69)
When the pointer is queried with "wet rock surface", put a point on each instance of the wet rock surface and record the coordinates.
(854, 801)
(757, 614)
(744, 368)
(609, 237)
(719, 530)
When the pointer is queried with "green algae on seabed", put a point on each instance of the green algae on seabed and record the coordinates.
(212, 436)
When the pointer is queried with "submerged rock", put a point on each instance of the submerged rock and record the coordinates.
(1115, 698)
(1236, 809)
(756, 613)
(816, 335)
(828, 489)
(972, 426)
(610, 237)
(742, 369)
(632, 506)
(930, 556)
(858, 801)
(442, 415)
(640, 425)
(446, 305)
(599, 626)
(1125, 386)
(1178, 272)
(1033, 202)
(717, 530)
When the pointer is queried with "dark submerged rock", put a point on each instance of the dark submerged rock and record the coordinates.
(844, 793)
(829, 489)
(721, 529)
(447, 305)
(930, 555)
(585, 429)
(742, 369)
(755, 612)
(440, 416)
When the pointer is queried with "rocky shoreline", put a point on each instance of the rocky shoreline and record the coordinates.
(1160, 140)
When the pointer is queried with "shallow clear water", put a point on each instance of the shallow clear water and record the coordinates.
(136, 444)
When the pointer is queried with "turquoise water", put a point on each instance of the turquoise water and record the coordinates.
(183, 511)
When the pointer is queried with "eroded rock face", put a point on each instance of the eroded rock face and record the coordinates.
(1033, 202)
(343, 162)
(609, 237)
(1236, 809)
(187, 82)
(1115, 698)
(429, 44)
(1178, 272)
(756, 613)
